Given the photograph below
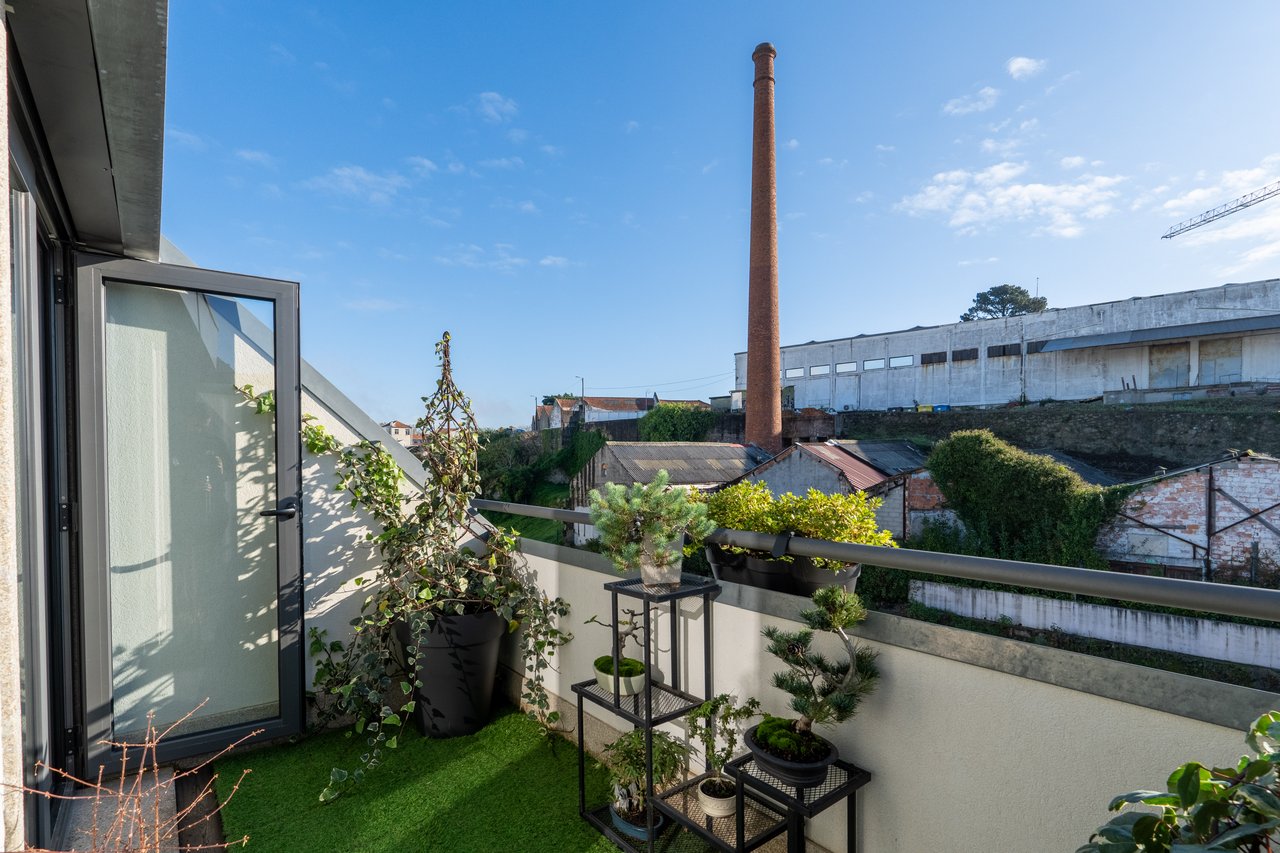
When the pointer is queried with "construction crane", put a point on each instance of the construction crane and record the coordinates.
(1224, 210)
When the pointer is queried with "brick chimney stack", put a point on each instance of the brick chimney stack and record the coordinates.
(764, 359)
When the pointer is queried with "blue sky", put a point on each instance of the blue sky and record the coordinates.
(565, 186)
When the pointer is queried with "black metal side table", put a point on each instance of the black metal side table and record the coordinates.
(843, 782)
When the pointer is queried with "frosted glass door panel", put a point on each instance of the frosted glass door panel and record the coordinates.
(190, 464)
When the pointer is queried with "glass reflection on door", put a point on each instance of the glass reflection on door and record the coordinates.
(190, 465)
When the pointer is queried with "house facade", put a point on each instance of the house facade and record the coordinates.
(1170, 346)
(405, 435)
(593, 410)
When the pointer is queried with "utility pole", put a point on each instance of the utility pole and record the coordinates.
(583, 394)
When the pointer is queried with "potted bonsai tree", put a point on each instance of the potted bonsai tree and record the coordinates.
(628, 771)
(643, 527)
(631, 675)
(425, 645)
(823, 691)
(715, 724)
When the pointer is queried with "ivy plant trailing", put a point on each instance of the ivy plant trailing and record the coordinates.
(424, 574)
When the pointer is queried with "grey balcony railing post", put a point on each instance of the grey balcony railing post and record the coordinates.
(1226, 599)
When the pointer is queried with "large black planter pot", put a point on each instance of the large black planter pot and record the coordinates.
(802, 774)
(457, 665)
(769, 574)
(808, 578)
(726, 565)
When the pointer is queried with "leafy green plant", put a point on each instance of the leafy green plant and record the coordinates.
(742, 506)
(646, 522)
(1021, 506)
(837, 518)
(626, 761)
(1205, 810)
(424, 574)
(823, 691)
(676, 422)
(715, 724)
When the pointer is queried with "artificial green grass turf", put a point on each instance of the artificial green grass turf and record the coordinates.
(502, 789)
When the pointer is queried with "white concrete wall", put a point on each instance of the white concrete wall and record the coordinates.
(1072, 374)
(1230, 641)
(963, 758)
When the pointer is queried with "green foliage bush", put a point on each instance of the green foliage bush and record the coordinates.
(1018, 505)
(513, 465)
(676, 422)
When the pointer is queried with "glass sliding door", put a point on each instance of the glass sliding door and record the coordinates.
(190, 440)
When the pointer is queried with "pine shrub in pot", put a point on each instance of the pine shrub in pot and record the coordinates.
(823, 691)
(642, 526)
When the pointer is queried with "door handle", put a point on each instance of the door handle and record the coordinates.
(288, 508)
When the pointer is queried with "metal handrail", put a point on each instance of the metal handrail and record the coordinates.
(1226, 599)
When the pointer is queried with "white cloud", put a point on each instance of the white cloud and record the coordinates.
(832, 163)
(358, 182)
(864, 197)
(517, 135)
(553, 261)
(525, 206)
(975, 200)
(1000, 147)
(494, 108)
(1022, 67)
(792, 144)
(793, 216)
(1229, 185)
(1072, 162)
(715, 161)
(981, 101)
(551, 150)
(631, 126)
(885, 148)
(185, 138)
(977, 261)
(503, 163)
(501, 258)
(257, 158)
(422, 166)
(280, 53)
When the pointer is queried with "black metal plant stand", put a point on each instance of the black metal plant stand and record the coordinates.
(766, 807)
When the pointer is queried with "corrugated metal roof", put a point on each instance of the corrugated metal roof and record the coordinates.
(891, 457)
(1165, 333)
(688, 462)
(859, 474)
(620, 404)
(1087, 472)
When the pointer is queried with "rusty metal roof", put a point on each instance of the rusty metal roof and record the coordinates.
(859, 474)
(688, 462)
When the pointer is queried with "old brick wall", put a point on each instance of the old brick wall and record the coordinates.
(1167, 524)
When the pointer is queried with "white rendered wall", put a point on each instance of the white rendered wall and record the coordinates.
(1231, 641)
(963, 759)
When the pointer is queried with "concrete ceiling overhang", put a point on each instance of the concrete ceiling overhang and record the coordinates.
(96, 73)
(1266, 322)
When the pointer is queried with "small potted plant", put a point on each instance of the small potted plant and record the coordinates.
(715, 724)
(628, 771)
(631, 674)
(836, 518)
(742, 506)
(643, 527)
(823, 691)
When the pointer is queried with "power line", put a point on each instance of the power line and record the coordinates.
(660, 384)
